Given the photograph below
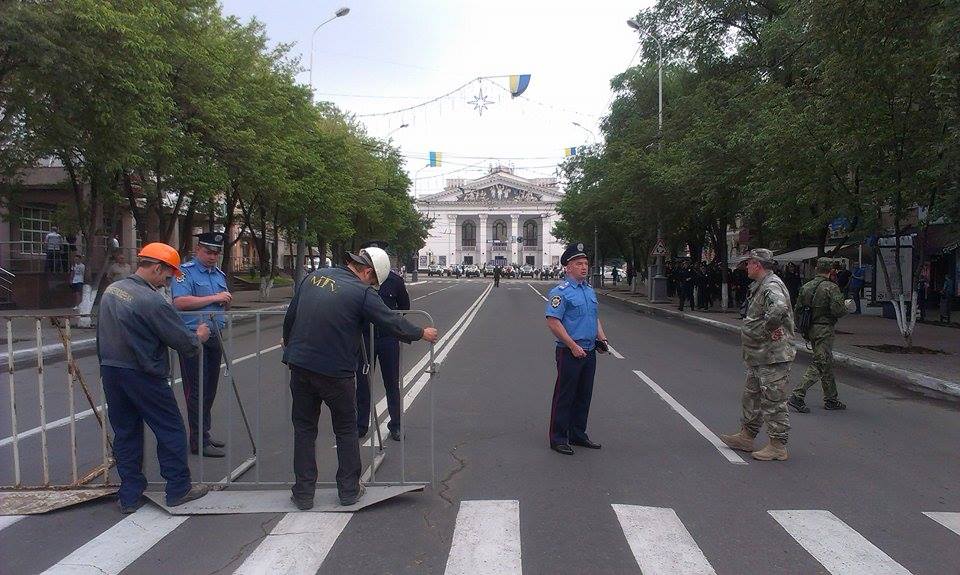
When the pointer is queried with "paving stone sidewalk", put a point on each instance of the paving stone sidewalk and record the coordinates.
(939, 372)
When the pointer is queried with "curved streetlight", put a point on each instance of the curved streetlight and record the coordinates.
(338, 14)
(395, 130)
(588, 130)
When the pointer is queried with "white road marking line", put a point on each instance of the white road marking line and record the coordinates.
(298, 544)
(614, 352)
(433, 292)
(85, 414)
(836, 545)
(8, 520)
(702, 429)
(949, 520)
(486, 539)
(660, 543)
(454, 335)
(116, 548)
(543, 297)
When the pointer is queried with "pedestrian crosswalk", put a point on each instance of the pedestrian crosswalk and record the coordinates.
(486, 539)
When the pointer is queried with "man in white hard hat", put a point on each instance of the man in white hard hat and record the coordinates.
(321, 334)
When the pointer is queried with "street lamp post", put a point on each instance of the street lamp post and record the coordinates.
(658, 285)
(301, 242)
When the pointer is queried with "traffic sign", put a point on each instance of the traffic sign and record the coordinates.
(660, 249)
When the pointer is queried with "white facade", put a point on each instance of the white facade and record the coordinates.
(479, 221)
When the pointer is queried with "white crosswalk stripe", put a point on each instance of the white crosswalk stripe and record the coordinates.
(660, 543)
(8, 520)
(836, 545)
(116, 548)
(949, 520)
(486, 539)
(298, 544)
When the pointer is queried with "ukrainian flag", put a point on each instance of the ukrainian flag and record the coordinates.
(435, 159)
(518, 84)
(567, 152)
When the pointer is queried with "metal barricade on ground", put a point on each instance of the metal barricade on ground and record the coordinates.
(61, 482)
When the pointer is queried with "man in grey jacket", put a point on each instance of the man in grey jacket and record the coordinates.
(321, 333)
(136, 325)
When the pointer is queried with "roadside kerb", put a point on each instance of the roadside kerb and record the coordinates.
(914, 380)
(55, 350)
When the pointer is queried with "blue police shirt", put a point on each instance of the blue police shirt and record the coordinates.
(575, 305)
(200, 281)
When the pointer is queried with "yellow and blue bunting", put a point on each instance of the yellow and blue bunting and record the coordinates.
(518, 84)
(567, 152)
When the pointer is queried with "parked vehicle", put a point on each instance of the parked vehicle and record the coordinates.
(434, 270)
(526, 271)
(471, 270)
(509, 271)
(488, 269)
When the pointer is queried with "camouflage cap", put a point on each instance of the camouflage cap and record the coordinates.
(760, 254)
(824, 265)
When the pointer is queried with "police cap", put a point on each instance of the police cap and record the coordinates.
(573, 252)
(211, 240)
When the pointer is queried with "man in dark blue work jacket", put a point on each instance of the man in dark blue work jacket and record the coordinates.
(202, 288)
(322, 333)
(134, 328)
(572, 318)
(386, 350)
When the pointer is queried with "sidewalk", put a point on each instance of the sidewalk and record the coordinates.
(25, 331)
(939, 372)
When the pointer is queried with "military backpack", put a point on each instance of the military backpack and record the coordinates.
(803, 313)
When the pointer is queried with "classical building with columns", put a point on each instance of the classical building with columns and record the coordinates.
(500, 217)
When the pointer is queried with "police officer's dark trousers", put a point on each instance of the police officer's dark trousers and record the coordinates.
(135, 398)
(310, 390)
(388, 362)
(571, 396)
(189, 370)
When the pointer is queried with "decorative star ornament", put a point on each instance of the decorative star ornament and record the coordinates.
(480, 102)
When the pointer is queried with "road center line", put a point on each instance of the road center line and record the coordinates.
(85, 414)
(433, 292)
(454, 335)
(543, 297)
(702, 429)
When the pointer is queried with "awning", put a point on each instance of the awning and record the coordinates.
(800, 255)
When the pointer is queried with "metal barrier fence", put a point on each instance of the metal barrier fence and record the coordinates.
(59, 477)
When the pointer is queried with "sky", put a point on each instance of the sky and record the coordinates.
(391, 54)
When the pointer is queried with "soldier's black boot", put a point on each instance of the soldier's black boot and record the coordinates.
(834, 405)
(798, 404)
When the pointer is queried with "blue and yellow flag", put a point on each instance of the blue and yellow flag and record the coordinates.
(435, 159)
(518, 83)
(567, 152)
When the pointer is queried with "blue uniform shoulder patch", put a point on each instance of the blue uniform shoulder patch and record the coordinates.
(188, 264)
(563, 285)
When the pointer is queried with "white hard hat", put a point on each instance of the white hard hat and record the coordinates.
(380, 261)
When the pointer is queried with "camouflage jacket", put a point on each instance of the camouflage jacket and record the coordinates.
(768, 309)
(825, 299)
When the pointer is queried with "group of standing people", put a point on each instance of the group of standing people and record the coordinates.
(699, 285)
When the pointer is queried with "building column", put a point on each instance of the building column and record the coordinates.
(515, 247)
(482, 248)
(453, 239)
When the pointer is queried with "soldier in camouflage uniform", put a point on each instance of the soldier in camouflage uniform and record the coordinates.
(824, 298)
(767, 352)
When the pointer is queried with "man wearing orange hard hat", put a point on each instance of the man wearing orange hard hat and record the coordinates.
(136, 326)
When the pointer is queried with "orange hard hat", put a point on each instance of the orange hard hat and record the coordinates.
(162, 253)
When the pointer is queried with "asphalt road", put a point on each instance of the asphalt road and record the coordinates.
(660, 496)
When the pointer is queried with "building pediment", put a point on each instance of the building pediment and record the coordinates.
(498, 187)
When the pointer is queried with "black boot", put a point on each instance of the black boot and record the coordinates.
(798, 404)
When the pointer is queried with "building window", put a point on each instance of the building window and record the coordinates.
(530, 233)
(443, 260)
(35, 223)
(423, 261)
(469, 234)
(500, 231)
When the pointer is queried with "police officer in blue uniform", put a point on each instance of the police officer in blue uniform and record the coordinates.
(203, 287)
(386, 347)
(571, 313)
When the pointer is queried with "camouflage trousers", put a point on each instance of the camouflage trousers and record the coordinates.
(820, 370)
(765, 399)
